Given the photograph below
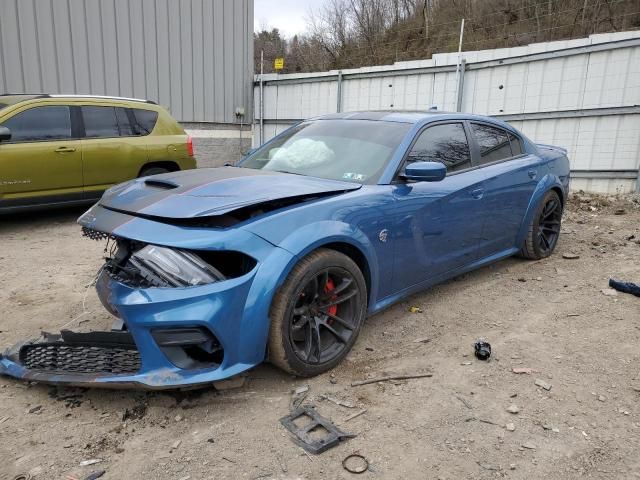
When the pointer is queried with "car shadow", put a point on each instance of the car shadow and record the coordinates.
(11, 222)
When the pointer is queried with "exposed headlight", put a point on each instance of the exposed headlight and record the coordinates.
(165, 267)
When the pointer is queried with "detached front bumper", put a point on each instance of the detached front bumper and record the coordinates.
(162, 326)
(174, 337)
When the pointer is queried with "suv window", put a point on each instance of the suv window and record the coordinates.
(52, 122)
(126, 129)
(493, 142)
(100, 122)
(446, 143)
(146, 120)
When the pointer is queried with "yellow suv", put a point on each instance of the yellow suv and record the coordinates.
(67, 149)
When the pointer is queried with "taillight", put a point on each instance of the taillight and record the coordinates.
(190, 146)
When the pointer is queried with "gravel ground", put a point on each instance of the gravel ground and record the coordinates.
(549, 316)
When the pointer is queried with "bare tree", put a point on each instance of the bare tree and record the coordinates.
(353, 33)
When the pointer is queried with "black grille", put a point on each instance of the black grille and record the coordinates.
(85, 359)
(96, 234)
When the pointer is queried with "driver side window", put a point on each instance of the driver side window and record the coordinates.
(445, 143)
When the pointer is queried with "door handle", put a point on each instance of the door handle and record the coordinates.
(477, 193)
(64, 150)
(532, 174)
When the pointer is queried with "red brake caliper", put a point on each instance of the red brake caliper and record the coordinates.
(333, 309)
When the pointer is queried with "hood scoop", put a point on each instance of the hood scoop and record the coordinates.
(203, 193)
(165, 184)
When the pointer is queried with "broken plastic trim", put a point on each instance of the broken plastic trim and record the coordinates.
(93, 353)
(303, 434)
(189, 348)
(97, 235)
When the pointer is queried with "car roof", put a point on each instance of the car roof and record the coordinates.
(412, 117)
(13, 98)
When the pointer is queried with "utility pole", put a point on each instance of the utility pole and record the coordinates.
(458, 93)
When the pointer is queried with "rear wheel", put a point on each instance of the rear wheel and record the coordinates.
(544, 230)
(153, 171)
(317, 314)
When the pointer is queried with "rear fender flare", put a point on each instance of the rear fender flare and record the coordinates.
(545, 184)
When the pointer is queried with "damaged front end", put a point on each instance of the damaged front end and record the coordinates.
(188, 281)
(186, 314)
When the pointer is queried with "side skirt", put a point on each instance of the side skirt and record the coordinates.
(392, 299)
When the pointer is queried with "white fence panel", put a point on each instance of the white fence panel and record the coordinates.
(581, 94)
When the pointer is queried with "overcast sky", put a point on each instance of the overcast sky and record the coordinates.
(286, 15)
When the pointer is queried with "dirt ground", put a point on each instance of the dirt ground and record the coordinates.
(550, 316)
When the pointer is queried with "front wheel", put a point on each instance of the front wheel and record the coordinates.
(544, 229)
(317, 314)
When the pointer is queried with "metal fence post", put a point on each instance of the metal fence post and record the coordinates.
(339, 93)
(460, 89)
(261, 97)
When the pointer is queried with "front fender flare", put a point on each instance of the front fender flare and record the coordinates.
(313, 236)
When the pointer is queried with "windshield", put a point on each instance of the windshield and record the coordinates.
(350, 150)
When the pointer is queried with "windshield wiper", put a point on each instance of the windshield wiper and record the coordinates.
(292, 173)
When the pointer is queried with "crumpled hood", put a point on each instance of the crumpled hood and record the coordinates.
(212, 191)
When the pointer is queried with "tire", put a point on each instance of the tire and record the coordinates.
(300, 315)
(544, 229)
(146, 172)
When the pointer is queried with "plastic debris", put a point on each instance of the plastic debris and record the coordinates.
(415, 310)
(482, 349)
(625, 287)
(302, 435)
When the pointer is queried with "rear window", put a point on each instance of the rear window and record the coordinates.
(493, 142)
(100, 122)
(126, 129)
(145, 119)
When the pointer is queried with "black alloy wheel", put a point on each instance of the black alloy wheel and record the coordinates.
(322, 321)
(549, 225)
(317, 314)
(544, 228)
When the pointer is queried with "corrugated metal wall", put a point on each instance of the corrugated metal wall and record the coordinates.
(581, 94)
(193, 56)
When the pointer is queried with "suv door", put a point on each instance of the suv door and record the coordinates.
(42, 162)
(112, 150)
(511, 177)
(440, 223)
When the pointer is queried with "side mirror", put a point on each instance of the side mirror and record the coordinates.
(5, 134)
(425, 171)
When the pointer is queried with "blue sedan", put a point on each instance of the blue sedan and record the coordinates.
(283, 256)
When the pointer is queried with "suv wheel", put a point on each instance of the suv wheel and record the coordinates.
(153, 171)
